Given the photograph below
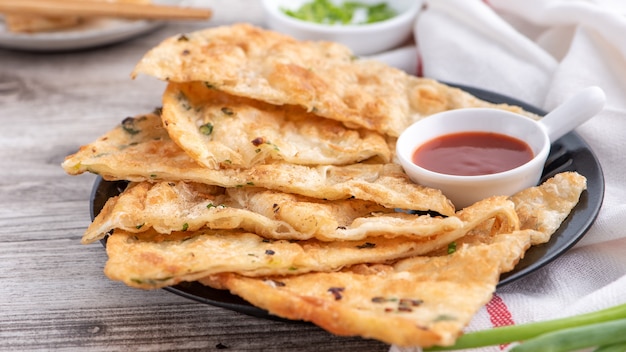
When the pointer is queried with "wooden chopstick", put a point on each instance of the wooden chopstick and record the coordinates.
(102, 9)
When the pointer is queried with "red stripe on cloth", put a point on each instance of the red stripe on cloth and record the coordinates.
(499, 314)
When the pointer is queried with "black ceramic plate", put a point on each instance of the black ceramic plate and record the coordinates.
(569, 153)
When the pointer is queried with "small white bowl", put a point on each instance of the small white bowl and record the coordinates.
(363, 39)
(466, 190)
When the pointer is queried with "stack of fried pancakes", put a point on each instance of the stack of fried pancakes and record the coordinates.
(269, 171)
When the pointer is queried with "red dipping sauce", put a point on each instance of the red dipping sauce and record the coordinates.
(472, 153)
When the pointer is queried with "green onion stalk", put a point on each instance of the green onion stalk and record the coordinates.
(604, 330)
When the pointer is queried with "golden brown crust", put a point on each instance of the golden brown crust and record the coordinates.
(544, 208)
(220, 130)
(322, 77)
(144, 258)
(170, 206)
(148, 259)
(418, 302)
(140, 150)
(349, 302)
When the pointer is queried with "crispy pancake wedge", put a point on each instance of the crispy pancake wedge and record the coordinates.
(171, 206)
(152, 260)
(424, 300)
(222, 130)
(428, 301)
(544, 208)
(322, 77)
(139, 149)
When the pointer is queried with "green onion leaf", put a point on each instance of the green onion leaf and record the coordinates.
(206, 129)
(515, 333)
(326, 12)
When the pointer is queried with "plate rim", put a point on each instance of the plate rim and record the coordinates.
(116, 31)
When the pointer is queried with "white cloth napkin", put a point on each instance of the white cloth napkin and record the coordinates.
(541, 52)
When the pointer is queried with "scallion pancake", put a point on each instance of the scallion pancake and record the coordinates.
(423, 300)
(222, 130)
(324, 78)
(171, 206)
(139, 149)
(151, 260)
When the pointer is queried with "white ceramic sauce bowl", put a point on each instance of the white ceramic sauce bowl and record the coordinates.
(362, 39)
(466, 190)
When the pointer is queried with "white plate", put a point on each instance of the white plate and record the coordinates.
(94, 33)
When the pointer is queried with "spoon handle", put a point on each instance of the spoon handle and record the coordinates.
(574, 112)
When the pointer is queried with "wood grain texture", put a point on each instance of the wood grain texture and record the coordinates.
(53, 294)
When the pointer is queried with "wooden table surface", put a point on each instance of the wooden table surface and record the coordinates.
(53, 293)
